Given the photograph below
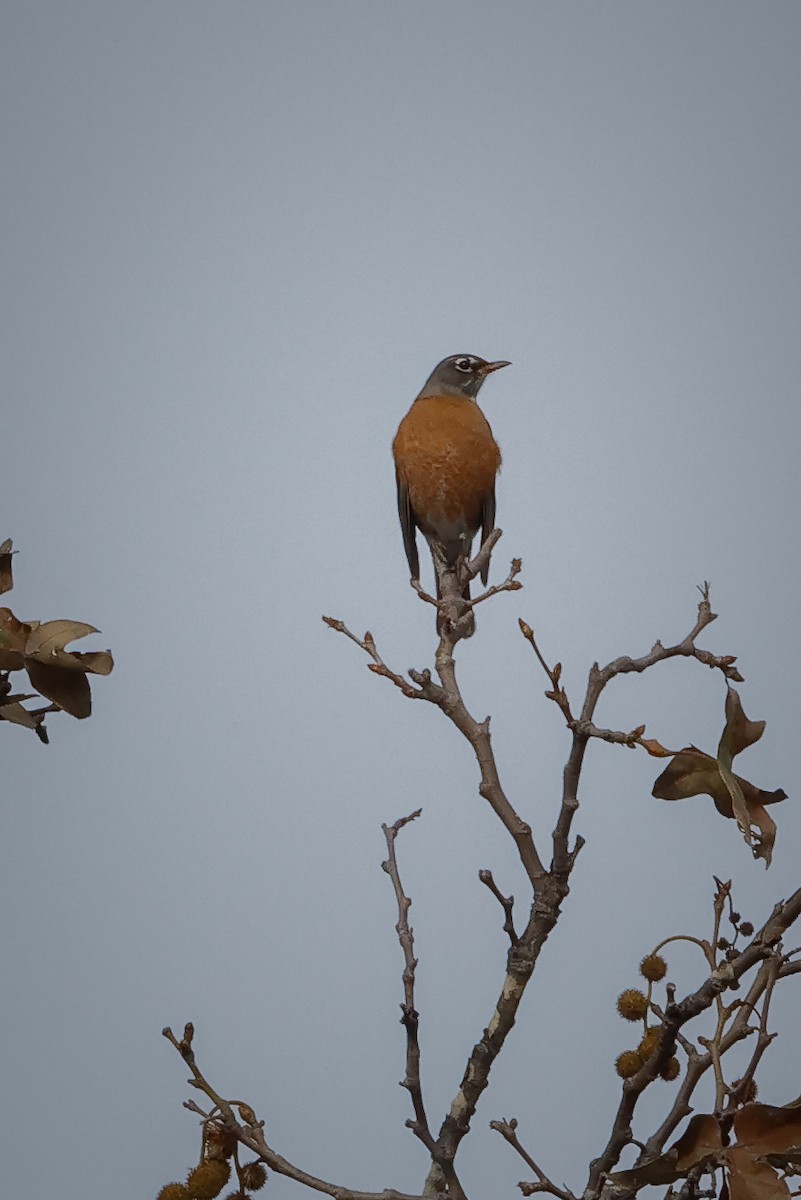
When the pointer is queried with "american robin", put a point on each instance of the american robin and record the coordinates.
(446, 461)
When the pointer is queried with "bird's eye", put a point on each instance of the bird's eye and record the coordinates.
(464, 364)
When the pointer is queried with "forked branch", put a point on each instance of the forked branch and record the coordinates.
(249, 1131)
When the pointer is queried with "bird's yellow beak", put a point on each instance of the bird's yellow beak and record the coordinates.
(494, 366)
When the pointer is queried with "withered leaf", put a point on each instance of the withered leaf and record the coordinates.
(13, 636)
(60, 675)
(55, 672)
(786, 1158)
(47, 641)
(65, 686)
(768, 1128)
(655, 748)
(750, 1179)
(17, 698)
(6, 577)
(692, 772)
(767, 1136)
(700, 1143)
(739, 733)
(11, 710)
(99, 662)
(700, 1139)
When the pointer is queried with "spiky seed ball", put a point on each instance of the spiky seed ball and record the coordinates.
(746, 929)
(254, 1176)
(208, 1180)
(173, 1191)
(650, 1041)
(627, 1064)
(632, 1004)
(670, 1070)
(653, 968)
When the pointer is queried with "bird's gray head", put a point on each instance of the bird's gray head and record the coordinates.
(459, 375)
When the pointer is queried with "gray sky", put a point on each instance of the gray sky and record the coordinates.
(237, 237)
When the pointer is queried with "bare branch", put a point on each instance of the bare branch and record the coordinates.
(684, 649)
(550, 887)
(618, 738)
(410, 1019)
(422, 593)
(740, 1092)
(474, 568)
(583, 727)
(449, 699)
(250, 1132)
(508, 1130)
(506, 903)
(510, 584)
(557, 692)
(377, 666)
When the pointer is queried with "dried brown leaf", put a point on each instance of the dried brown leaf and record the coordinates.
(750, 1179)
(655, 748)
(791, 1157)
(6, 576)
(655, 1173)
(65, 686)
(700, 1143)
(16, 698)
(767, 1136)
(739, 733)
(13, 636)
(700, 1139)
(768, 1128)
(762, 845)
(692, 772)
(14, 712)
(47, 641)
(98, 662)
(56, 673)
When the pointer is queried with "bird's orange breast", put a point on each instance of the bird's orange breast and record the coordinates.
(447, 459)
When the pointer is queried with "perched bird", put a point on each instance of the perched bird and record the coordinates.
(446, 461)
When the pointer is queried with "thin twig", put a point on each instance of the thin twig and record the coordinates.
(510, 584)
(411, 1018)
(506, 903)
(377, 666)
(616, 737)
(740, 1092)
(556, 692)
(508, 1130)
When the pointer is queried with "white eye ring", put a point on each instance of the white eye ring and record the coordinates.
(464, 364)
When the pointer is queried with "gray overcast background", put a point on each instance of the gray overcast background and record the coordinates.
(237, 237)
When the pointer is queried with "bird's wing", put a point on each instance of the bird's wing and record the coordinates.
(487, 526)
(408, 527)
